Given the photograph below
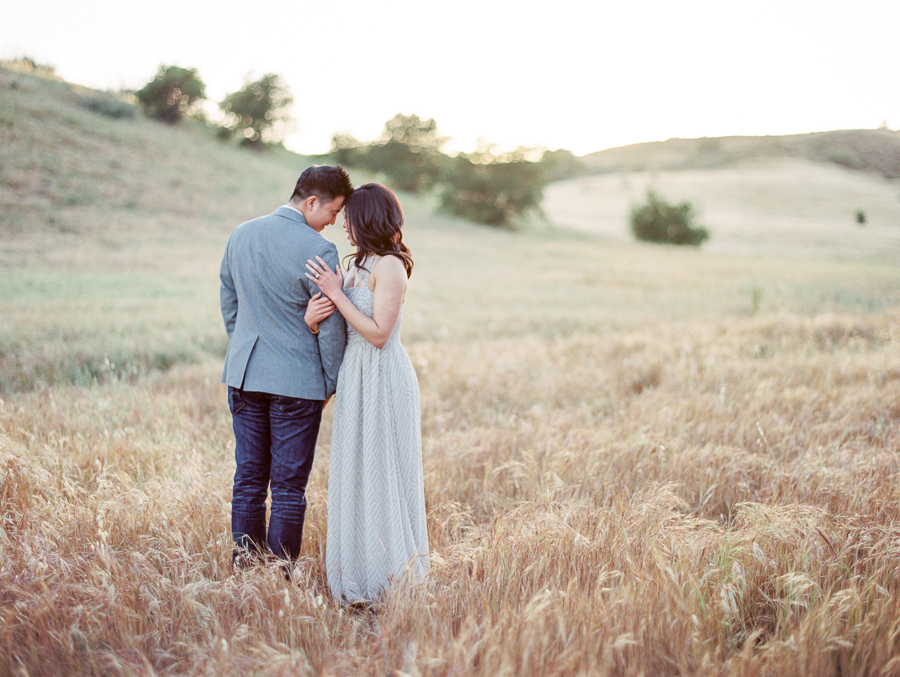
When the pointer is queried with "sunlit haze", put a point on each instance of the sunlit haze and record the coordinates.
(569, 74)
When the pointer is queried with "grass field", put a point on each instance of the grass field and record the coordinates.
(638, 459)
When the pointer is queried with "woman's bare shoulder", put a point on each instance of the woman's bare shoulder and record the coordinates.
(389, 271)
(387, 265)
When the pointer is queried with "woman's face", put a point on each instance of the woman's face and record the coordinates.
(349, 230)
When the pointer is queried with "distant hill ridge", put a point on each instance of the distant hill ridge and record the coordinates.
(871, 150)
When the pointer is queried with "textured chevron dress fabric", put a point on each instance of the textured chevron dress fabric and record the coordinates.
(376, 497)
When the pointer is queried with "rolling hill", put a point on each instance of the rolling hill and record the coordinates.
(761, 206)
(876, 151)
(824, 195)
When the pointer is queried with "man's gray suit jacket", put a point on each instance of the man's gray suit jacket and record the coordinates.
(264, 294)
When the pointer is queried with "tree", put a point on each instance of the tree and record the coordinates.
(347, 150)
(408, 152)
(491, 187)
(261, 111)
(172, 94)
(658, 221)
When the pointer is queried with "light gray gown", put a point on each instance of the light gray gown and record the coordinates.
(376, 497)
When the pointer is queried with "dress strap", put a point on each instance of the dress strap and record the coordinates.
(367, 268)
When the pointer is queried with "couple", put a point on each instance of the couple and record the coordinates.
(299, 332)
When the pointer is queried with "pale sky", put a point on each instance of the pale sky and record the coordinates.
(578, 74)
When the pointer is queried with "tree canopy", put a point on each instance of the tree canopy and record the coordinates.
(492, 187)
(261, 111)
(172, 94)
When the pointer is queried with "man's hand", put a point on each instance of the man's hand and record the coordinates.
(318, 309)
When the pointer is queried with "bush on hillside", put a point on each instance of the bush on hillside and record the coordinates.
(260, 112)
(28, 65)
(107, 104)
(172, 94)
(561, 164)
(658, 221)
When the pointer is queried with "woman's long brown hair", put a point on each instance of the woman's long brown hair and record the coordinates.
(375, 221)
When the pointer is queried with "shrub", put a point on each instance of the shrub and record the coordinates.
(28, 65)
(561, 164)
(107, 104)
(658, 221)
(172, 94)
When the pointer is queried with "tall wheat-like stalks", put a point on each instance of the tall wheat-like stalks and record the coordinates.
(710, 499)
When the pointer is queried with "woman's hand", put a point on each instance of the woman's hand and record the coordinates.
(331, 283)
(318, 309)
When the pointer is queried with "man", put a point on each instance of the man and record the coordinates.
(279, 374)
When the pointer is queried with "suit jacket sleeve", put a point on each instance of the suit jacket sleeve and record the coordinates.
(332, 331)
(227, 295)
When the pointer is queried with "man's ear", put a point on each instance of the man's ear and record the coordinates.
(311, 202)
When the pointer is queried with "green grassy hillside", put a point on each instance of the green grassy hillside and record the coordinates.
(72, 173)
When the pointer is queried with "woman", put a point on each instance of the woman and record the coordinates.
(376, 497)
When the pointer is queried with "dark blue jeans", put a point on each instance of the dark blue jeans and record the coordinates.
(275, 441)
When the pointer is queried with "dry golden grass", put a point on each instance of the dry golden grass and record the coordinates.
(708, 499)
(638, 460)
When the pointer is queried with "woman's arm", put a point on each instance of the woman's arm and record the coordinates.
(389, 277)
